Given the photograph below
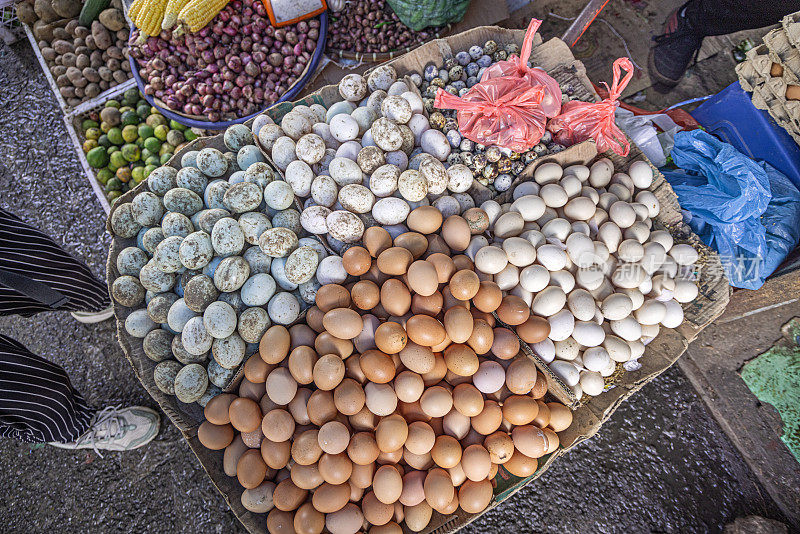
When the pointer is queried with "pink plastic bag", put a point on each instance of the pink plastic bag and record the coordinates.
(506, 112)
(517, 67)
(580, 121)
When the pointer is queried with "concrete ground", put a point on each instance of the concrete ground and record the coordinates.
(661, 464)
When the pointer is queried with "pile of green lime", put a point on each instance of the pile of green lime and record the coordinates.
(127, 140)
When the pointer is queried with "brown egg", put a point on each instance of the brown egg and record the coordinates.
(455, 232)
(301, 364)
(332, 296)
(364, 420)
(275, 454)
(513, 310)
(446, 451)
(414, 242)
(421, 438)
(363, 449)
(390, 458)
(445, 268)
(540, 387)
(356, 261)
(376, 512)
(418, 517)
(425, 330)
(464, 284)
(365, 294)
(343, 323)
(483, 316)
(474, 497)
(381, 399)
(348, 520)
(461, 360)
(394, 261)
(329, 344)
(476, 463)
(395, 297)
(281, 386)
(423, 278)
(477, 219)
(375, 275)
(390, 527)
(552, 440)
(348, 397)
(437, 245)
(534, 330)
(287, 496)
(413, 488)
(430, 305)
(329, 498)
(356, 494)
(482, 337)
(439, 490)
(232, 454)
(305, 448)
(314, 319)
(387, 484)
(437, 373)
(251, 390)
(520, 465)
(333, 437)
(279, 522)
(505, 345)
(543, 417)
(301, 334)
(489, 297)
(520, 410)
(423, 462)
(215, 437)
(307, 520)
(417, 358)
(458, 324)
(267, 405)
(560, 416)
(521, 375)
(449, 301)
(408, 386)
(424, 219)
(489, 419)
(390, 338)
(274, 344)
(216, 411)
(251, 469)
(278, 425)
(328, 372)
(391, 433)
(530, 440)
(245, 415)
(335, 468)
(321, 408)
(500, 447)
(468, 400)
(362, 475)
(256, 369)
(353, 370)
(462, 262)
(436, 401)
(376, 239)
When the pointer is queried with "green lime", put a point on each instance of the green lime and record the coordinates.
(166, 148)
(125, 109)
(130, 133)
(137, 174)
(93, 133)
(164, 158)
(148, 169)
(152, 144)
(115, 136)
(156, 120)
(131, 95)
(175, 125)
(131, 152)
(112, 104)
(143, 111)
(105, 127)
(145, 131)
(123, 174)
(89, 123)
(103, 140)
(145, 153)
(104, 175)
(88, 145)
(137, 163)
(139, 142)
(113, 184)
(161, 132)
(190, 135)
(97, 157)
(154, 160)
(129, 117)
(117, 160)
(112, 149)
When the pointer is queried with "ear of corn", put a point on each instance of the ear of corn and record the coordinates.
(135, 9)
(198, 13)
(150, 15)
(174, 7)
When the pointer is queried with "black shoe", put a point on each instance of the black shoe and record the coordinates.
(673, 51)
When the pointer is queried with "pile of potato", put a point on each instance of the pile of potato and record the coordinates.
(85, 61)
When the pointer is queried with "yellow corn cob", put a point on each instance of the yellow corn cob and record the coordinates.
(151, 15)
(197, 13)
(136, 7)
(171, 14)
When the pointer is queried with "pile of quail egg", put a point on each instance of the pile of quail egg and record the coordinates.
(366, 160)
(216, 255)
(492, 166)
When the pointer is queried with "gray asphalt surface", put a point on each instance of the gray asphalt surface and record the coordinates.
(661, 464)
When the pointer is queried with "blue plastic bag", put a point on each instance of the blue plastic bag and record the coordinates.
(748, 212)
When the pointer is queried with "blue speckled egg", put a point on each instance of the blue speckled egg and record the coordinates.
(463, 58)
(484, 61)
(454, 138)
(431, 72)
(248, 155)
(475, 51)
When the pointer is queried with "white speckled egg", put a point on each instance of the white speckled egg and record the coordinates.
(353, 87)
(313, 219)
(212, 162)
(391, 210)
(277, 242)
(460, 178)
(227, 237)
(219, 320)
(412, 185)
(166, 256)
(195, 339)
(300, 177)
(435, 143)
(382, 77)
(231, 273)
(138, 323)
(397, 109)
(178, 315)
(283, 308)
(383, 182)
(490, 260)
(283, 152)
(566, 371)
(549, 301)
(196, 250)
(345, 226)
(310, 148)
(356, 198)
(229, 352)
(253, 224)
(258, 289)
(191, 382)
(278, 195)
(296, 125)
(345, 171)
(301, 265)
(324, 191)
(387, 135)
(331, 270)
(344, 128)
(155, 280)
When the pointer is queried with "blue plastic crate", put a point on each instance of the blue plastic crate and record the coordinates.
(731, 116)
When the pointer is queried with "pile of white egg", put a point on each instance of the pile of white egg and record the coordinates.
(578, 246)
(219, 257)
(367, 160)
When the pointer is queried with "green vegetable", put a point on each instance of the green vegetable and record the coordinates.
(161, 132)
(164, 158)
(137, 174)
(115, 136)
(131, 152)
(175, 125)
(148, 169)
(124, 174)
(175, 137)
(104, 175)
(91, 10)
(89, 123)
(130, 133)
(145, 131)
(103, 140)
(152, 144)
(113, 184)
(97, 157)
(153, 160)
(93, 133)
(129, 117)
(132, 96)
(117, 161)
(190, 135)
(143, 111)
(113, 104)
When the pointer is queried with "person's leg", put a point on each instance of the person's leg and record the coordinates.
(27, 252)
(39, 405)
(685, 28)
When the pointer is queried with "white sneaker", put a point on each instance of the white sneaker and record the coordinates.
(117, 429)
(93, 317)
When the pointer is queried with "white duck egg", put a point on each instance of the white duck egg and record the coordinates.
(549, 301)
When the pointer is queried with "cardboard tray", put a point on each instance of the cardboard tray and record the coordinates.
(588, 417)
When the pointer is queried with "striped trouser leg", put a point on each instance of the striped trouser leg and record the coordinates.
(37, 402)
(26, 251)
